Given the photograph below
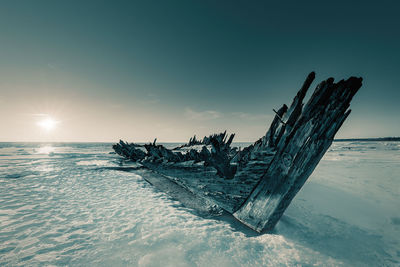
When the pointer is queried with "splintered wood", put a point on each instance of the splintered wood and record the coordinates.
(257, 183)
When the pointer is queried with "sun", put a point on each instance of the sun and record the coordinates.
(48, 124)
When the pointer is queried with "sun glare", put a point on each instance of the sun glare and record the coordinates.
(48, 124)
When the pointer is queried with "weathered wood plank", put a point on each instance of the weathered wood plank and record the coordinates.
(258, 183)
(298, 152)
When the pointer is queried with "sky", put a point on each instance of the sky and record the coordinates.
(137, 70)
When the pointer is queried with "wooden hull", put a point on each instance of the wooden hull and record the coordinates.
(256, 184)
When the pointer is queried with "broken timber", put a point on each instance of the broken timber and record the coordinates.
(258, 183)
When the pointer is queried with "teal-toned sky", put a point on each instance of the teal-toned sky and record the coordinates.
(104, 70)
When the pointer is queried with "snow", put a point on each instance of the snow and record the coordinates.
(75, 204)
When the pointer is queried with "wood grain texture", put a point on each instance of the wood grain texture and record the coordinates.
(257, 183)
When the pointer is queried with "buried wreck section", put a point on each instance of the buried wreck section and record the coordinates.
(258, 183)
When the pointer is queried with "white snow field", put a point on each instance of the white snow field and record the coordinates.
(77, 205)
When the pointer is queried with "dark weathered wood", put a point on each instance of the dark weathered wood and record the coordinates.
(298, 152)
(258, 183)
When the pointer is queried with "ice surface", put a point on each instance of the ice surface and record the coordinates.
(76, 204)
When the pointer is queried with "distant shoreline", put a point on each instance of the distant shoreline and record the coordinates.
(369, 139)
(396, 139)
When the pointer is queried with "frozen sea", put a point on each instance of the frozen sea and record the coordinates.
(72, 204)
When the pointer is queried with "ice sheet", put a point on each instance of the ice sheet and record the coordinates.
(76, 204)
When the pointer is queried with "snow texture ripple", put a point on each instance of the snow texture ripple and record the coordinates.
(78, 205)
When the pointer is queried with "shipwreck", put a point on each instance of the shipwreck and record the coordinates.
(257, 183)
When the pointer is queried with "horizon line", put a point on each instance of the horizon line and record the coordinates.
(386, 138)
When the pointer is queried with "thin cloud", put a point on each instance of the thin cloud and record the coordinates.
(251, 117)
(202, 115)
(52, 66)
(152, 99)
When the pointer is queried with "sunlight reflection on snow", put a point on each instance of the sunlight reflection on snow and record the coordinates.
(48, 149)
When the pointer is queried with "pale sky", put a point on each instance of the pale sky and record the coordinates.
(136, 70)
